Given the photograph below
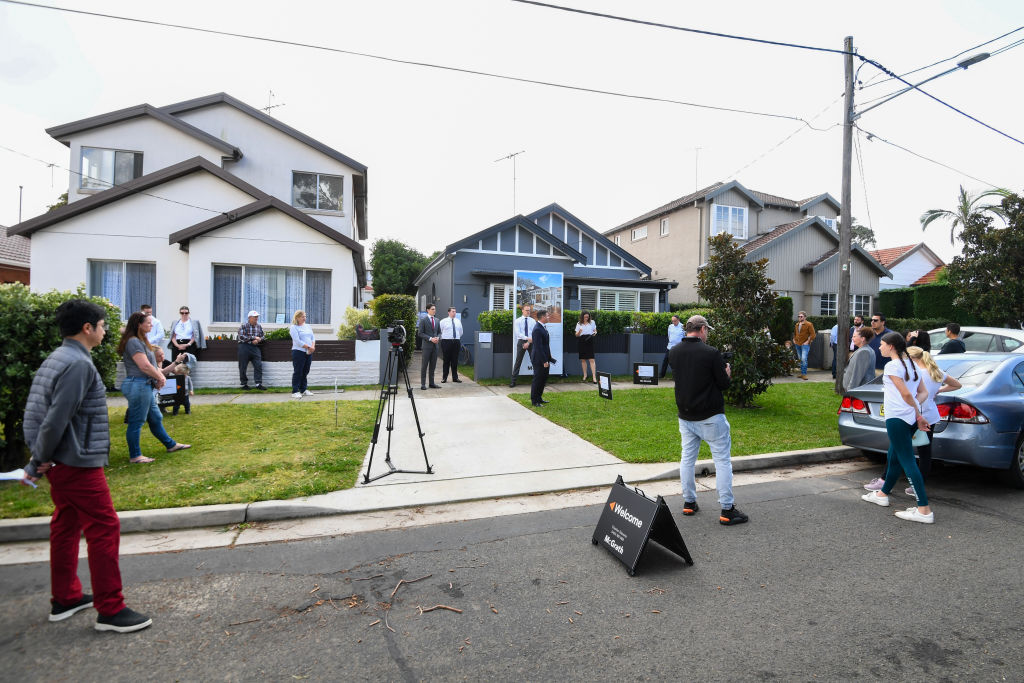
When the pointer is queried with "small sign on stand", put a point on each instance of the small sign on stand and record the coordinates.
(630, 519)
(645, 373)
(604, 385)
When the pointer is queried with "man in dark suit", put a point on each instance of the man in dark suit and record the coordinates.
(427, 331)
(540, 355)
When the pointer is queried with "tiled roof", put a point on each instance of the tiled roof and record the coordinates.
(764, 239)
(887, 256)
(777, 201)
(818, 261)
(666, 208)
(14, 249)
(928, 277)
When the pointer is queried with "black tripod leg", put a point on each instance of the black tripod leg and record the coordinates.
(408, 388)
(382, 405)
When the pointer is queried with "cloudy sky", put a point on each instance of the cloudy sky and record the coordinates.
(430, 136)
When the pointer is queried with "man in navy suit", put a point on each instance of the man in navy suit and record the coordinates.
(540, 354)
(428, 331)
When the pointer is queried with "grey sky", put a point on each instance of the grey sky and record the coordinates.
(430, 137)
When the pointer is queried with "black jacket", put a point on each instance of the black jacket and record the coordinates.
(699, 372)
(540, 351)
(954, 346)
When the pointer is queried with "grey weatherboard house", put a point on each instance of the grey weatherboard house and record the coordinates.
(475, 274)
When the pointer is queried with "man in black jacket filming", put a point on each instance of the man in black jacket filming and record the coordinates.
(701, 373)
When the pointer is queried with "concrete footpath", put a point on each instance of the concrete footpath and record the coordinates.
(480, 446)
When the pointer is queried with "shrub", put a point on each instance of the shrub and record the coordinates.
(499, 322)
(897, 303)
(390, 307)
(28, 334)
(279, 333)
(685, 306)
(364, 317)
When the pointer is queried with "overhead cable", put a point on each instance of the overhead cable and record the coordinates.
(873, 136)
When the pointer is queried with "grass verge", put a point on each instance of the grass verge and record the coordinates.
(239, 454)
(641, 425)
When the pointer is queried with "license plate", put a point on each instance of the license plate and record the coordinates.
(881, 410)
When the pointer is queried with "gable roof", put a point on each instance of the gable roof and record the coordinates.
(805, 204)
(136, 186)
(359, 182)
(15, 250)
(667, 208)
(627, 257)
(182, 237)
(795, 227)
(62, 132)
(894, 255)
(929, 277)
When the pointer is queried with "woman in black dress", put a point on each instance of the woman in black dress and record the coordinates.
(586, 330)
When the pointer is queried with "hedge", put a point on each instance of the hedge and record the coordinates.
(608, 322)
(823, 324)
(898, 303)
(388, 308)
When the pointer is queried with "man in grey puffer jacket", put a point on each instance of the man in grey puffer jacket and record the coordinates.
(67, 432)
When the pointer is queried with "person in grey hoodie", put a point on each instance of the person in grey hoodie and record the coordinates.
(67, 432)
(861, 367)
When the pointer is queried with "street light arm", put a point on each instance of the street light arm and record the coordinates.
(970, 61)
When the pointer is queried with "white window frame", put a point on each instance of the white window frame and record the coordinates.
(636, 295)
(860, 304)
(828, 304)
(617, 240)
(830, 222)
(246, 305)
(507, 295)
(91, 183)
(664, 227)
(124, 282)
(732, 214)
(317, 209)
(637, 234)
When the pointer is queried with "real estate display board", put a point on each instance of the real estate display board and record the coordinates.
(541, 290)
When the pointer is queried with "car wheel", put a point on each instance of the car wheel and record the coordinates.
(1015, 472)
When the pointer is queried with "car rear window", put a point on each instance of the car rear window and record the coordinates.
(970, 372)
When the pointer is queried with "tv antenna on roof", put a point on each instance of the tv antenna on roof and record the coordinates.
(270, 102)
(513, 158)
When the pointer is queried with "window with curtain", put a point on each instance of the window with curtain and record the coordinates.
(126, 284)
(276, 293)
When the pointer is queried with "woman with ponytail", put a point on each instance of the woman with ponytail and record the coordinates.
(900, 382)
(933, 382)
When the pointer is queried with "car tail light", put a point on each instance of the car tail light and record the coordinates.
(961, 412)
(853, 405)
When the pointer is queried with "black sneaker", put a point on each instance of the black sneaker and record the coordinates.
(732, 516)
(261, 387)
(59, 612)
(690, 507)
(125, 621)
(245, 387)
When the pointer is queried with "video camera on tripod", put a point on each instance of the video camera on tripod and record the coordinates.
(397, 334)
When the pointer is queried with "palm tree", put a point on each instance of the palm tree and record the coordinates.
(966, 210)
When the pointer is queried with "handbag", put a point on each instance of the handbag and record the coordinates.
(920, 439)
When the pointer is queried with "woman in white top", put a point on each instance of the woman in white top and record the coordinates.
(933, 382)
(900, 382)
(183, 334)
(303, 345)
(586, 330)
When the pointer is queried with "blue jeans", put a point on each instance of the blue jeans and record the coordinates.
(301, 361)
(802, 351)
(715, 430)
(142, 407)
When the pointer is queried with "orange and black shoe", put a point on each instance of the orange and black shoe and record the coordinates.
(690, 507)
(732, 516)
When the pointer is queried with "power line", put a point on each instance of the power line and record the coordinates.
(681, 28)
(873, 136)
(863, 179)
(395, 60)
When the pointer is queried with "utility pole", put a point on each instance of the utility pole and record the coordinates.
(845, 233)
(513, 158)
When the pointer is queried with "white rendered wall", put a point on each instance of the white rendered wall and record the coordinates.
(279, 374)
(269, 157)
(161, 146)
(908, 271)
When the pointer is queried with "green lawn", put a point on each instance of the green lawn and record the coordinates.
(240, 453)
(641, 425)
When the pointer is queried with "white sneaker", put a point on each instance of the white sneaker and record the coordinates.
(307, 392)
(910, 491)
(296, 395)
(874, 498)
(913, 515)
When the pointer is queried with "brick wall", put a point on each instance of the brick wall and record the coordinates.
(321, 373)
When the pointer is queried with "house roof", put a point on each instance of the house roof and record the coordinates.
(586, 279)
(894, 255)
(627, 257)
(795, 227)
(929, 277)
(66, 130)
(138, 185)
(762, 199)
(182, 237)
(359, 182)
(15, 250)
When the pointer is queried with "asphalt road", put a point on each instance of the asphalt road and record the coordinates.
(818, 586)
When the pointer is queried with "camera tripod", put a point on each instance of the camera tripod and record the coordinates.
(395, 368)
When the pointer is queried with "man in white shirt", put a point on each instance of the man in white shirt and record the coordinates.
(675, 335)
(451, 336)
(156, 335)
(522, 328)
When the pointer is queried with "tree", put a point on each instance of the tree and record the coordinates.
(966, 209)
(61, 201)
(395, 266)
(986, 276)
(862, 235)
(28, 333)
(744, 305)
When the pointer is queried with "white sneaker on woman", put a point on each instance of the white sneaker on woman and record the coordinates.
(873, 497)
(914, 515)
(296, 395)
(307, 392)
